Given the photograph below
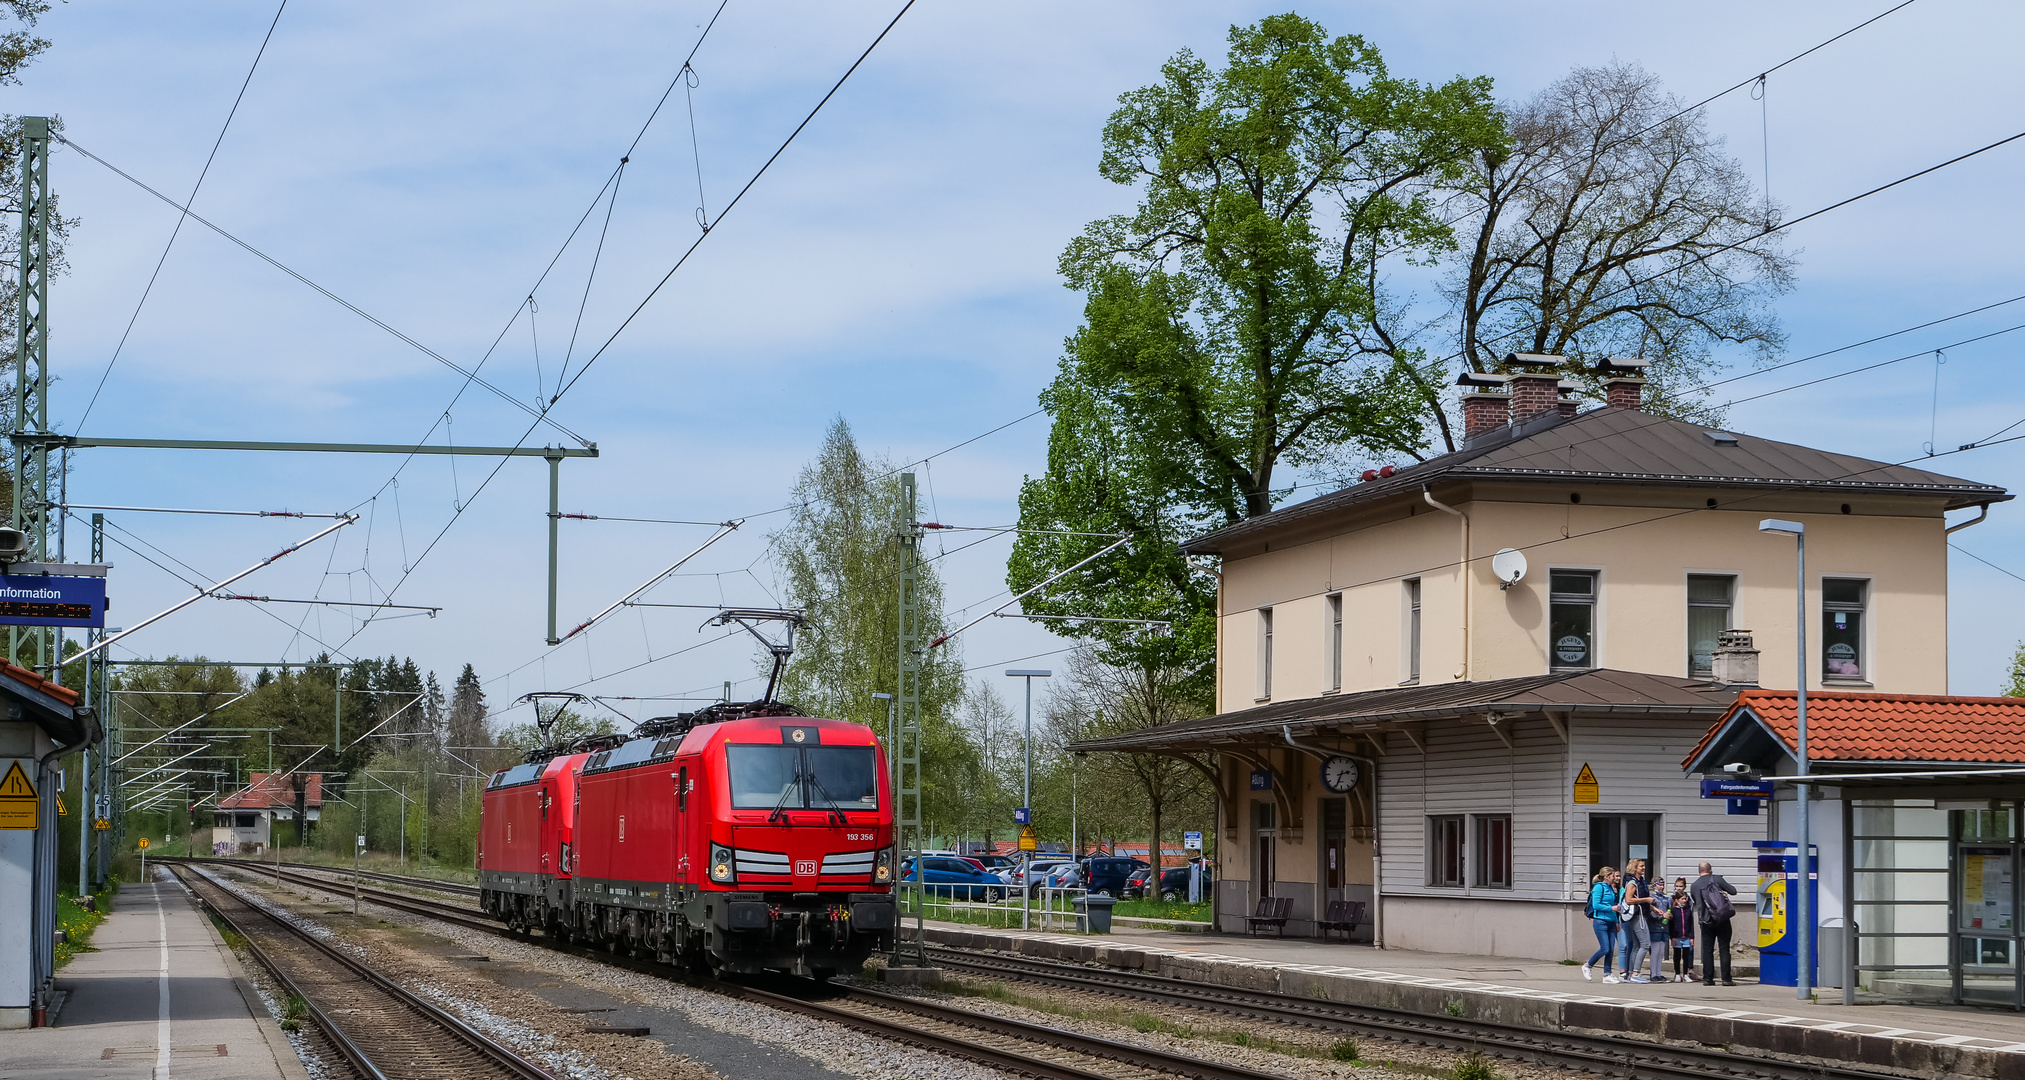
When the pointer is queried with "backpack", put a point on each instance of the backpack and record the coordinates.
(1716, 906)
(1607, 912)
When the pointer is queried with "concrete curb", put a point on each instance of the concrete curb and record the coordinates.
(1896, 1050)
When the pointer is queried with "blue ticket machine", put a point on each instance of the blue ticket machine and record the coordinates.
(1779, 911)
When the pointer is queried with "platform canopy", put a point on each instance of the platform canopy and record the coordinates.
(1597, 692)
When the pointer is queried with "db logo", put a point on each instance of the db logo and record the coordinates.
(805, 867)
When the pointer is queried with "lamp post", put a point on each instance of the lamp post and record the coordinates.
(1804, 906)
(1027, 784)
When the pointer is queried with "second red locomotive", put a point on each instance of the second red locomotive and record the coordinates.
(733, 839)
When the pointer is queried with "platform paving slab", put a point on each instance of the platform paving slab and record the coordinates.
(1913, 1040)
(160, 998)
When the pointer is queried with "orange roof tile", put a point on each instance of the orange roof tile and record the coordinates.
(1886, 727)
(21, 674)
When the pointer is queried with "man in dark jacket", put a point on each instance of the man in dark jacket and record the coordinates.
(1715, 929)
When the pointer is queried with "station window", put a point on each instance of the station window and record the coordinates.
(1445, 850)
(1412, 630)
(1571, 620)
(1493, 869)
(1708, 615)
(1842, 610)
(1265, 653)
(1335, 641)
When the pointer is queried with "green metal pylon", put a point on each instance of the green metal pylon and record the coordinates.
(31, 370)
(907, 734)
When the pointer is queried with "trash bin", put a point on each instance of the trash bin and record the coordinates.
(1093, 914)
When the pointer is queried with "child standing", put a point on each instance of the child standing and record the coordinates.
(1680, 929)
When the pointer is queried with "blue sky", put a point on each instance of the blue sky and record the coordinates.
(896, 267)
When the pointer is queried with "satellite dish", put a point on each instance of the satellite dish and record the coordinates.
(1509, 564)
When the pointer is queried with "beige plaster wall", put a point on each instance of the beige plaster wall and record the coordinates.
(1644, 542)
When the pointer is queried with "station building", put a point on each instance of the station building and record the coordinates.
(1398, 724)
(40, 724)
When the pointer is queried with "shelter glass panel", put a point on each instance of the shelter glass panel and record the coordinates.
(1901, 898)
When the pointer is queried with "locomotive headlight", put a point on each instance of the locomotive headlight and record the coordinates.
(720, 864)
(884, 871)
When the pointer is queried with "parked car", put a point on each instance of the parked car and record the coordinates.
(955, 877)
(1173, 884)
(1105, 875)
(995, 864)
(1033, 873)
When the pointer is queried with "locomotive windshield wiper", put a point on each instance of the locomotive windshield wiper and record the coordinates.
(780, 808)
(834, 808)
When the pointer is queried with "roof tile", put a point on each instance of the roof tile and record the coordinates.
(1887, 727)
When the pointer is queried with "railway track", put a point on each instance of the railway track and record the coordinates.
(1599, 1053)
(1009, 1045)
(1593, 1053)
(381, 1030)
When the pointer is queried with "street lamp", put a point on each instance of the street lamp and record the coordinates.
(1804, 947)
(1027, 782)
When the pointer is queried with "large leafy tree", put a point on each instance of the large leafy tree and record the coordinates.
(1222, 319)
(838, 560)
(1615, 224)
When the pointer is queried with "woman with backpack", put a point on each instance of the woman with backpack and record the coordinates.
(1637, 930)
(1603, 912)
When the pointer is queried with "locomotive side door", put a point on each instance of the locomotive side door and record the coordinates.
(687, 833)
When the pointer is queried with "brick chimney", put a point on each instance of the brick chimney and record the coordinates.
(1568, 402)
(1485, 405)
(1735, 662)
(1536, 388)
(1623, 382)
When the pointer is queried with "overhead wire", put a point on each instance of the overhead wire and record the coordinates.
(180, 218)
(542, 417)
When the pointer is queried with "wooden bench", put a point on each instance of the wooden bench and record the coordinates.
(1344, 915)
(1272, 911)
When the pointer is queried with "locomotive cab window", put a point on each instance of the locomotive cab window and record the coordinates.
(802, 778)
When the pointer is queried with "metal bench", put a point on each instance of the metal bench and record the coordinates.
(1344, 915)
(1271, 911)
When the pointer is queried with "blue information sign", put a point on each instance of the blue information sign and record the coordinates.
(51, 600)
(1023, 816)
(1736, 789)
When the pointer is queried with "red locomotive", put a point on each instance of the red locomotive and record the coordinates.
(739, 838)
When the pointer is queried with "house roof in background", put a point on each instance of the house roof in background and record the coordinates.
(273, 791)
(1627, 693)
(1627, 446)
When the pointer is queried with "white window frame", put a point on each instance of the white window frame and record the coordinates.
(1412, 609)
(1332, 611)
(1687, 631)
(1435, 827)
(1866, 642)
(1265, 676)
(1596, 622)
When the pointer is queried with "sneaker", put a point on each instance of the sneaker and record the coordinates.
(1610, 978)
(1586, 975)
(1636, 979)
(1727, 982)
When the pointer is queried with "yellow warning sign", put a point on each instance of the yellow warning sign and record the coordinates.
(1029, 841)
(1587, 790)
(144, 843)
(60, 811)
(19, 807)
(101, 825)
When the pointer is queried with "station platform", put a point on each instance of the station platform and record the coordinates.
(1920, 1040)
(161, 997)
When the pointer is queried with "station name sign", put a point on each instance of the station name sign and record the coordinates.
(1736, 789)
(53, 594)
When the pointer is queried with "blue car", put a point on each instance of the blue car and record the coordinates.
(955, 878)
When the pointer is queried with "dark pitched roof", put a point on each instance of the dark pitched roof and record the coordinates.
(1589, 692)
(1626, 446)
